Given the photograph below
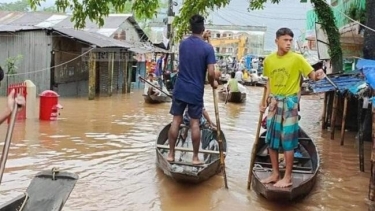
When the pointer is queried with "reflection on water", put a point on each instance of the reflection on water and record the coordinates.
(109, 143)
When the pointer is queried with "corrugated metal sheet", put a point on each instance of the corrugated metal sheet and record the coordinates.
(11, 28)
(93, 38)
(35, 48)
(44, 20)
(343, 82)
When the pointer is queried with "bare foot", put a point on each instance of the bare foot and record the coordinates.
(271, 179)
(285, 182)
(170, 157)
(196, 161)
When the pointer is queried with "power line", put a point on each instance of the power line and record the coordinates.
(48, 68)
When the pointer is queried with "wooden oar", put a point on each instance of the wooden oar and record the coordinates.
(221, 148)
(142, 79)
(226, 97)
(255, 145)
(8, 139)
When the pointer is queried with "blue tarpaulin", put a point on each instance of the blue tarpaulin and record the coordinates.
(352, 83)
(368, 68)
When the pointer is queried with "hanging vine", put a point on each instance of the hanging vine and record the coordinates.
(327, 21)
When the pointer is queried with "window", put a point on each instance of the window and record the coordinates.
(217, 49)
(224, 35)
(229, 50)
(218, 35)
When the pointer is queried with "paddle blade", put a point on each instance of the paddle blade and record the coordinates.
(48, 194)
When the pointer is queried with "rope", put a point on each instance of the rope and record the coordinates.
(258, 167)
(24, 202)
(54, 172)
(48, 68)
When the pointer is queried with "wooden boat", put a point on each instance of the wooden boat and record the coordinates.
(49, 190)
(234, 97)
(305, 169)
(150, 98)
(183, 170)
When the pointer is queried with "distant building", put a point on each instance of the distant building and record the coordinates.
(351, 33)
(230, 39)
(53, 52)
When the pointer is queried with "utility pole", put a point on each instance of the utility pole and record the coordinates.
(170, 32)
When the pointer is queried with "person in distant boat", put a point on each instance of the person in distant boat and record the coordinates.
(205, 120)
(239, 75)
(196, 57)
(284, 69)
(20, 100)
(150, 89)
(232, 85)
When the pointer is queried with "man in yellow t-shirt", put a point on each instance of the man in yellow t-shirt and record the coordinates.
(284, 69)
(232, 85)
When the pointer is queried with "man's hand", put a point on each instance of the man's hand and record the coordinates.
(262, 108)
(214, 85)
(320, 74)
(206, 35)
(20, 100)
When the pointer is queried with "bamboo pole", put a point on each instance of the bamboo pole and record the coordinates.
(256, 142)
(92, 76)
(360, 137)
(110, 73)
(125, 74)
(221, 147)
(333, 117)
(371, 193)
(329, 108)
(324, 123)
(344, 112)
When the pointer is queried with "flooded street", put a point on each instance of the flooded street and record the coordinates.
(109, 143)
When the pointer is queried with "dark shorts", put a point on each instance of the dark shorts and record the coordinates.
(178, 107)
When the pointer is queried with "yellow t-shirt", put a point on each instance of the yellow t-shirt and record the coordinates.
(284, 72)
(233, 85)
(245, 76)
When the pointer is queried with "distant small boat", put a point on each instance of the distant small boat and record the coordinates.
(151, 98)
(305, 170)
(234, 97)
(183, 170)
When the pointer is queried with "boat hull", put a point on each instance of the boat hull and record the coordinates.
(233, 97)
(185, 172)
(303, 176)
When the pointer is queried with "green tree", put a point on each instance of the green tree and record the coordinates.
(96, 10)
(51, 9)
(19, 6)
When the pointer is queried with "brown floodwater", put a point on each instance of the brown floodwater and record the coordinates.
(109, 142)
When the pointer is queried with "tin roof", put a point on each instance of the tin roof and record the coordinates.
(61, 24)
(349, 82)
(19, 21)
(93, 38)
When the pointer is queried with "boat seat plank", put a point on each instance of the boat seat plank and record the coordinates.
(299, 168)
(300, 138)
(187, 164)
(297, 180)
(166, 147)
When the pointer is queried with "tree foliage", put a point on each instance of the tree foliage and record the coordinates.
(21, 6)
(96, 10)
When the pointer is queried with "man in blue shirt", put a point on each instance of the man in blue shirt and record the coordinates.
(196, 58)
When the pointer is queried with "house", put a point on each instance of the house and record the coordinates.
(226, 40)
(351, 38)
(54, 54)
